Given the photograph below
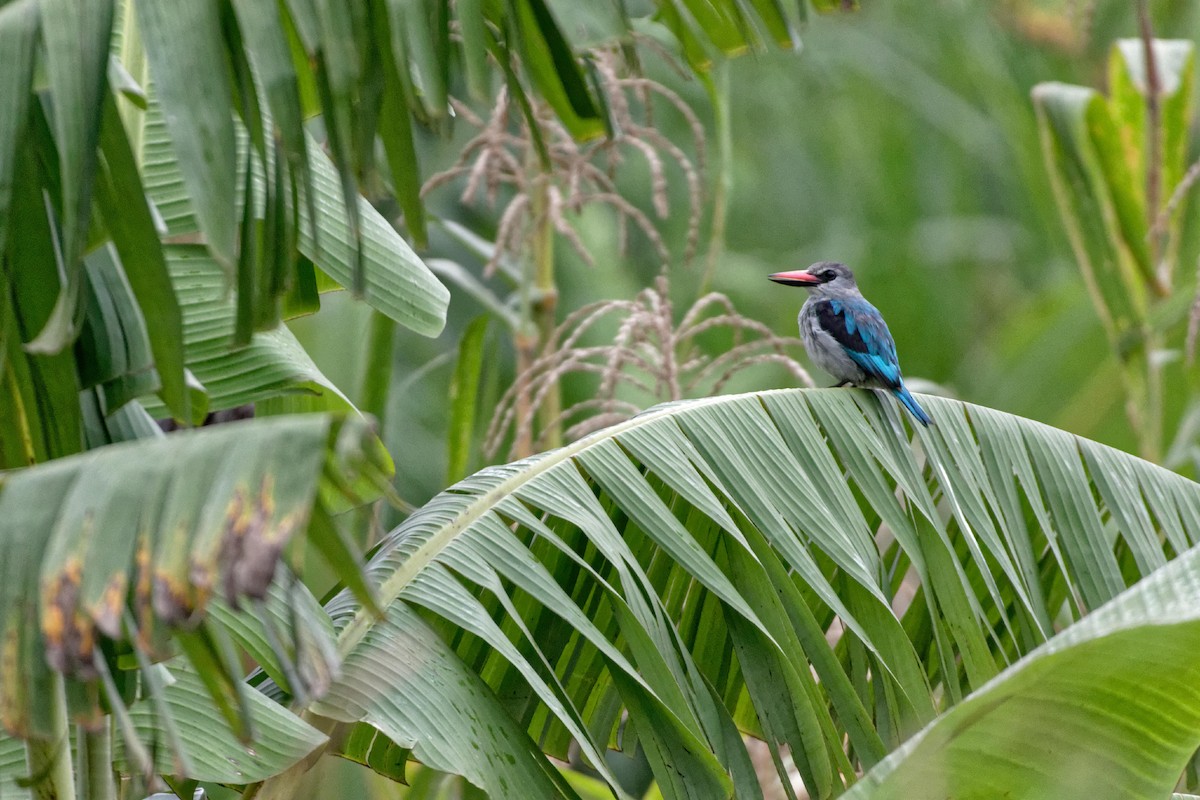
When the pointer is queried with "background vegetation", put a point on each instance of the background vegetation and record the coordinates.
(914, 158)
(603, 192)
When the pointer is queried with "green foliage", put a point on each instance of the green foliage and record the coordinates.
(1111, 700)
(672, 567)
(1117, 164)
(132, 541)
(177, 179)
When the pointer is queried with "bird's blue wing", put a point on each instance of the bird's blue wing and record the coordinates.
(859, 328)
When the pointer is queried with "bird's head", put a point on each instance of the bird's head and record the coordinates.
(824, 277)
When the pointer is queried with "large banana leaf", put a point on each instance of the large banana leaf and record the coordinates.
(1107, 709)
(120, 551)
(789, 564)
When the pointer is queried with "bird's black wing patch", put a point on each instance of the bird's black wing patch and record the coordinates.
(857, 326)
(831, 317)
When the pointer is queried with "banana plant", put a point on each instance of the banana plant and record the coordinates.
(796, 565)
(1118, 164)
(112, 559)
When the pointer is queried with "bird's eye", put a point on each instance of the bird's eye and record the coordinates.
(828, 275)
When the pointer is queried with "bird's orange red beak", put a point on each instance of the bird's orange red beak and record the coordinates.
(799, 277)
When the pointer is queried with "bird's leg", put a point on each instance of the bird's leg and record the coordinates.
(843, 383)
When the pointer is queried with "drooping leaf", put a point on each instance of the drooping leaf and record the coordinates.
(114, 353)
(556, 73)
(396, 129)
(76, 47)
(41, 390)
(397, 282)
(155, 528)
(122, 202)
(18, 40)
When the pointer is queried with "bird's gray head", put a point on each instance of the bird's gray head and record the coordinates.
(823, 278)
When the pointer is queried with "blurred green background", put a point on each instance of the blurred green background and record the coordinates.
(902, 141)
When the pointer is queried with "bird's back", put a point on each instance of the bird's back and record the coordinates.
(848, 338)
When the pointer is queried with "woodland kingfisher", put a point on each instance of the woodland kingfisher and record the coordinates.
(846, 335)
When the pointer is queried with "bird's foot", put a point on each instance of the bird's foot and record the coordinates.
(843, 383)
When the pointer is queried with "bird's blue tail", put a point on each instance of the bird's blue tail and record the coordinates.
(910, 402)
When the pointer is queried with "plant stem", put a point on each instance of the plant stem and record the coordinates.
(545, 304)
(1152, 420)
(377, 375)
(95, 755)
(718, 94)
(525, 345)
(50, 761)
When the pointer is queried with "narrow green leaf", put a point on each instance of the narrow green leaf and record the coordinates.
(723, 23)
(306, 22)
(377, 380)
(76, 43)
(396, 133)
(266, 41)
(473, 28)
(304, 297)
(18, 41)
(43, 390)
(464, 397)
(695, 51)
(212, 659)
(337, 76)
(125, 424)
(782, 21)
(122, 202)
(418, 28)
(551, 63)
(248, 301)
(114, 352)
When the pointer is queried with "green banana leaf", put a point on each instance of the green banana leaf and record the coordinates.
(1108, 708)
(796, 565)
(120, 551)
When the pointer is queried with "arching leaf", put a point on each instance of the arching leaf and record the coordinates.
(656, 568)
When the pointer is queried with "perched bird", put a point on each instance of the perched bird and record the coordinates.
(845, 335)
